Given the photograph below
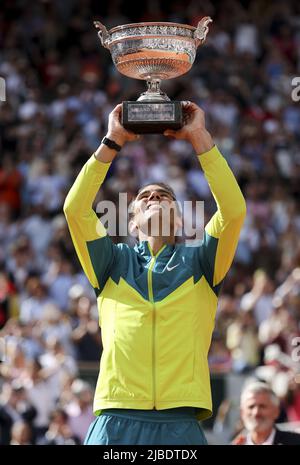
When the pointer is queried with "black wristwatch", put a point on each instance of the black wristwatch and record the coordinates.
(111, 144)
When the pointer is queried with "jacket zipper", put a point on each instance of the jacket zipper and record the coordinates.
(151, 299)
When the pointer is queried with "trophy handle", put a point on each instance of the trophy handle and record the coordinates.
(102, 33)
(202, 30)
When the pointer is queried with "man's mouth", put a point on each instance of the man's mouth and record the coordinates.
(153, 205)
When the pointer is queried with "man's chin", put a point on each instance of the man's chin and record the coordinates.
(156, 224)
(156, 231)
(153, 217)
(152, 212)
(257, 426)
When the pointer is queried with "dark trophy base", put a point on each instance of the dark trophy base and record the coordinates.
(148, 117)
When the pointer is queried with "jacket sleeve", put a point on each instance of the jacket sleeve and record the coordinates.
(222, 231)
(94, 248)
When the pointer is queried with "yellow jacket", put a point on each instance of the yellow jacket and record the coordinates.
(156, 312)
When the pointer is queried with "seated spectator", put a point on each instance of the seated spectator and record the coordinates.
(8, 299)
(259, 411)
(59, 279)
(80, 410)
(219, 357)
(10, 183)
(14, 407)
(243, 342)
(55, 324)
(21, 261)
(32, 307)
(59, 432)
(86, 335)
(21, 434)
(293, 400)
(259, 299)
(14, 364)
(38, 388)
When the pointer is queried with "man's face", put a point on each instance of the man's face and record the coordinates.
(259, 412)
(155, 211)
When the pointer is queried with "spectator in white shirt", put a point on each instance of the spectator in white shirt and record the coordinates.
(260, 408)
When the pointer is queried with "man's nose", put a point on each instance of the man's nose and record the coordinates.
(154, 196)
(255, 411)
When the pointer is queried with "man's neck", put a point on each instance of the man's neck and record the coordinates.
(156, 243)
(259, 437)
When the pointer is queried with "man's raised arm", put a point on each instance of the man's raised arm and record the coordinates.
(223, 230)
(94, 248)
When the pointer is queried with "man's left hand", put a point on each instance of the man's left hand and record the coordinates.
(193, 130)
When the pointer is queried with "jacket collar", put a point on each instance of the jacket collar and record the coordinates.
(144, 249)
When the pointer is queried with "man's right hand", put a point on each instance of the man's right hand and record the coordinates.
(116, 131)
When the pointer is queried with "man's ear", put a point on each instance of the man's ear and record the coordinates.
(133, 228)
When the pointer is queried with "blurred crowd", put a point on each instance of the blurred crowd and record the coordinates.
(61, 85)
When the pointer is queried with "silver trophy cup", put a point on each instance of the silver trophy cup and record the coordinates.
(153, 52)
